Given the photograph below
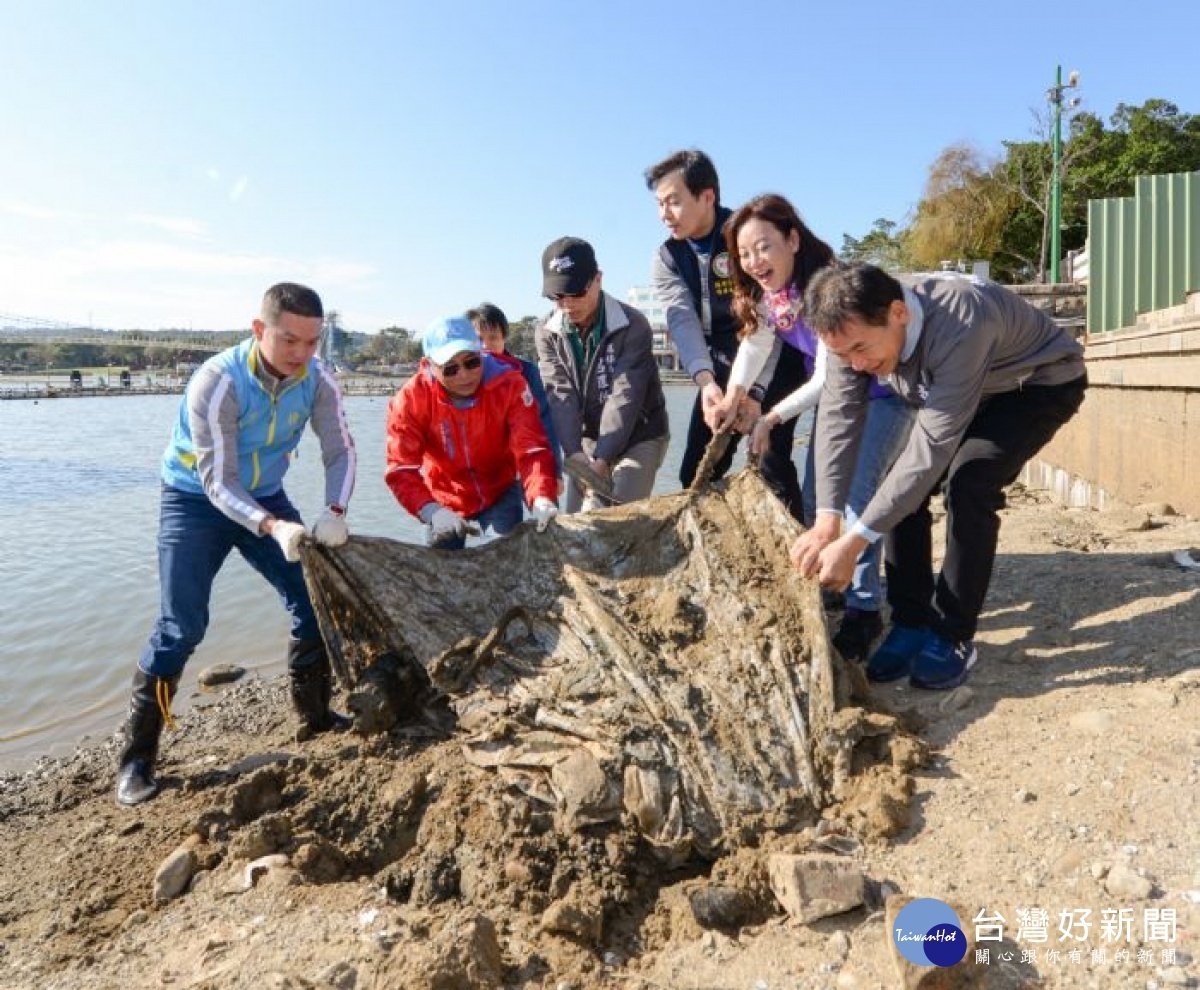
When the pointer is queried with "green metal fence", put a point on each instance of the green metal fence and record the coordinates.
(1143, 250)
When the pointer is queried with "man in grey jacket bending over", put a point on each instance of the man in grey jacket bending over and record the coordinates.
(597, 362)
(993, 379)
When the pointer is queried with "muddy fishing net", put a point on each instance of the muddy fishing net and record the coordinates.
(658, 663)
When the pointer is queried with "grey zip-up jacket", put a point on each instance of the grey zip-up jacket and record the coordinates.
(620, 400)
(973, 339)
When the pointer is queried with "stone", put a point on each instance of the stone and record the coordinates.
(174, 874)
(220, 673)
(1125, 883)
(839, 945)
(1022, 796)
(578, 921)
(814, 886)
(259, 868)
(717, 906)
(585, 797)
(341, 976)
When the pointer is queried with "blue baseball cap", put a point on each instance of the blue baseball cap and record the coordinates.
(449, 336)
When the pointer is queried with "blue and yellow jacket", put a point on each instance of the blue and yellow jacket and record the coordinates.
(234, 437)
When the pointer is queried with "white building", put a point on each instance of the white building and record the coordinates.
(644, 299)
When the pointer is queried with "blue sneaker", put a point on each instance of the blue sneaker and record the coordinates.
(893, 659)
(943, 663)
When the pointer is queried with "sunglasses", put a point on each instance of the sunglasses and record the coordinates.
(467, 364)
(560, 296)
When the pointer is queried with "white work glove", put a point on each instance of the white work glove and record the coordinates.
(447, 522)
(331, 529)
(543, 511)
(288, 535)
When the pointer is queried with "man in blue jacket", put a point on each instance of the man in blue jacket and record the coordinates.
(222, 489)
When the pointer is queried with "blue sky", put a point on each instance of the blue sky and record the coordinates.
(163, 162)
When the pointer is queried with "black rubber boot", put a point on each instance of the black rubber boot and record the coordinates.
(312, 688)
(135, 769)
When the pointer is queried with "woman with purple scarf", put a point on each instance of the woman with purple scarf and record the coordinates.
(774, 254)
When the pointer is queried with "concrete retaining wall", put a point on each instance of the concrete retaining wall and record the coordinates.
(1137, 437)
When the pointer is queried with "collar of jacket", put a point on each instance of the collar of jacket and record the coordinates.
(258, 369)
(614, 317)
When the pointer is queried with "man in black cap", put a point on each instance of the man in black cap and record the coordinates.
(597, 361)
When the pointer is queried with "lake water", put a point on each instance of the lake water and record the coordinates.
(78, 570)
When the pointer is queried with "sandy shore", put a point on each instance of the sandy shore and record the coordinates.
(1065, 778)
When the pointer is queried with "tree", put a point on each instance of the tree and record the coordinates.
(392, 345)
(520, 337)
(882, 247)
(1153, 139)
(963, 211)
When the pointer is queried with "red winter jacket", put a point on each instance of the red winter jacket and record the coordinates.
(466, 458)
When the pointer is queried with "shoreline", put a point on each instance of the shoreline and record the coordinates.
(361, 385)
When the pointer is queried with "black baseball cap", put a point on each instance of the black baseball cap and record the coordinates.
(568, 267)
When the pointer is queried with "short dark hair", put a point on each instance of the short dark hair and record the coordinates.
(289, 297)
(490, 314)
(843, 292)
(699, 173)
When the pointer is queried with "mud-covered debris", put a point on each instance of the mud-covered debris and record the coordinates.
(658, 663)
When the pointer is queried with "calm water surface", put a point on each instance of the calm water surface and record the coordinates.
(78, 571)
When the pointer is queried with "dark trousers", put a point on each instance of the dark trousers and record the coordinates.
(698, 434)
(1008, 430)
(194, 538)
(777, 466)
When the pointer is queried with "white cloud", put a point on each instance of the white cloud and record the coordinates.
(20, 209)
(175, 225)
(150, 283)
(239, 188)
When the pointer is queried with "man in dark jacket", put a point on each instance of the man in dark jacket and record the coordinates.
(597, 362)
(993, 379)
(691, 277)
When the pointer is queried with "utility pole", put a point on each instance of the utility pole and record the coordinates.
(1055, 96)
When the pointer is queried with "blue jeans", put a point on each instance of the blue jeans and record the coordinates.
(194, 538)
(889, 421)
(501, 517)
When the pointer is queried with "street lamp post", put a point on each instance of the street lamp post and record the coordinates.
(1055, 96)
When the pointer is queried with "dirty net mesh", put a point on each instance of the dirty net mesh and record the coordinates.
(658, 660)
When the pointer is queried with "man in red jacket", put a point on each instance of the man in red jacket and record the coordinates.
(461, 432)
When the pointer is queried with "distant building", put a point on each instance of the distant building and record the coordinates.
(644, 299)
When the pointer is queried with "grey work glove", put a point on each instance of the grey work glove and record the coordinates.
(447, 522)
(331, 529)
